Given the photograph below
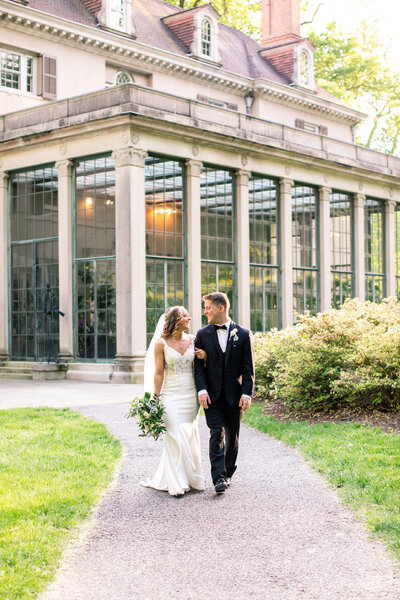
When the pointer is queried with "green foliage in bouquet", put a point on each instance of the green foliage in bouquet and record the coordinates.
(346, 356)
(148, 412)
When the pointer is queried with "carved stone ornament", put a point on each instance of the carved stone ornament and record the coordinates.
(244, 160)
(288, 170)
(195, 150)
(360, 186)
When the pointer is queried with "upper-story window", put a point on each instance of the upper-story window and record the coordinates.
(206, 48)
(17, 71)
(117, 14)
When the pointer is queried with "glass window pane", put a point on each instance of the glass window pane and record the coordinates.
(373, 247)
(263, 234)
(217, 231)
(95, 207)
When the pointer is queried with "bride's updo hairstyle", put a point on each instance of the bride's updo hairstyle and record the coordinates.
(173, 320)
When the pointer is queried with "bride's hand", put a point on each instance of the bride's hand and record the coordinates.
(202, 354)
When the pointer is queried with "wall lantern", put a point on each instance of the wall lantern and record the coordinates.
(249, 100)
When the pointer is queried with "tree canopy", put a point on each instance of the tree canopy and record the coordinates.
(354, 67)
(244, 15)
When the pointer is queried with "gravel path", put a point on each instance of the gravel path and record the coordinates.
(279, 532)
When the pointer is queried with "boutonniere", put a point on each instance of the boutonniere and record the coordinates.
(233, 335)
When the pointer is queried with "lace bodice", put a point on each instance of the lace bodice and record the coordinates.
(177, 363)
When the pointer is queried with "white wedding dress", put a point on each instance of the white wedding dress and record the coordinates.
(180, 467)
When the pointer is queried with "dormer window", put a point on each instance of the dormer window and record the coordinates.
(197, 29)
(117, 14)
(304, 66)
(206, 48)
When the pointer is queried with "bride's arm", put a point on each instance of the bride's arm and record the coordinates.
(159, 367)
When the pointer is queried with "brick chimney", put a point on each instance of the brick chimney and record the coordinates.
(280, 22)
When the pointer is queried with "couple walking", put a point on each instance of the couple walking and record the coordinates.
(214, 369)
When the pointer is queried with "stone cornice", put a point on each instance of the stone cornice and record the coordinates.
(247, 136)
(143, 56)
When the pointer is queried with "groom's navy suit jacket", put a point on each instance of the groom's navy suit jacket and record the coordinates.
(231, 373)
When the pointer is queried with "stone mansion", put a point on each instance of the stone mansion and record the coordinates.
(150, 154)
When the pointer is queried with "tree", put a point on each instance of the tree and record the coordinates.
(354, 69)
(244, 15)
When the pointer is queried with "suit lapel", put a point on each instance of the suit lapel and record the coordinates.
(214, 336)
(229, 341)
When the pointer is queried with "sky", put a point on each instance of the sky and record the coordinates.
(385, 14)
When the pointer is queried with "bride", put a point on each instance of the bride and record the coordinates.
(170, 360)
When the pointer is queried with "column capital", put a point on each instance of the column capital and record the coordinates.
(390, 205)
(193, 166)
(324, 192)
(64, 167)
(359, 200)
(129, 156)
(3, 178)
(286, 185)
(243, 176)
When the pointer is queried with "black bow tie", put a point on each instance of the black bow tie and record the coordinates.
(220, 327)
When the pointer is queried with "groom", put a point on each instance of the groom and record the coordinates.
(224, 384)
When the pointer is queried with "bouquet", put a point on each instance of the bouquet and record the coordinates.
(148, 412)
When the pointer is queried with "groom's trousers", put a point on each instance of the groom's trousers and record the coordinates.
(223, 421)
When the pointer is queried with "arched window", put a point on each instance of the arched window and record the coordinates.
(304, 69)
(206, 49)
(122, 77)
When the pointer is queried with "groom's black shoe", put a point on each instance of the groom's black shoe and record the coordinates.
(221, 485)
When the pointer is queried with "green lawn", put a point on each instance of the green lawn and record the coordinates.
(362, 462)
(54, 466)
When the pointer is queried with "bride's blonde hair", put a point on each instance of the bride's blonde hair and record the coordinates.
(173, 320)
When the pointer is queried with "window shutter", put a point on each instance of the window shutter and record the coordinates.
(49, 77)
(323, 130)
(299, 123)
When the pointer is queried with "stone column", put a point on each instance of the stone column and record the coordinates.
(130, 220)
(194, 242)
(390, 250)
(4, 354)
(324, 248)
(66, 323)
(359, 251)
(286, 291)
(243, 252)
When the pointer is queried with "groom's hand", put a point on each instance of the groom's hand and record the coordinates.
(244, 403)
(204, 400)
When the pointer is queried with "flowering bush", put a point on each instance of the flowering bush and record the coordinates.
(348, 355)
(148, 412)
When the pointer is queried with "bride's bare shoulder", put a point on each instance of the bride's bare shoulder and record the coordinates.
(160, 343)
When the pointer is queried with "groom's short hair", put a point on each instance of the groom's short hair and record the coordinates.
(218, 298)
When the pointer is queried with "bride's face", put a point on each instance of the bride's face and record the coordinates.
(185, 320)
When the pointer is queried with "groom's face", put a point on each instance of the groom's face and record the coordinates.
(213, 311)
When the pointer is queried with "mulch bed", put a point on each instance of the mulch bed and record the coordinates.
(388, 421)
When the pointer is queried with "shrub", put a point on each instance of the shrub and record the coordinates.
(348, 355)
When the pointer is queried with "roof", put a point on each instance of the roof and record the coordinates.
(239, 52)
